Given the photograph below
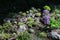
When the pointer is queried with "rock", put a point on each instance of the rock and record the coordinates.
(14, 28)
(22, 28)
(23, 19)
(34, 37)
(37, 18)
(54, 35)
(7, 20)
(33, 15)
(29, 15)
(13, 21)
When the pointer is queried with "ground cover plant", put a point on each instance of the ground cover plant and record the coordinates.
(28, 26)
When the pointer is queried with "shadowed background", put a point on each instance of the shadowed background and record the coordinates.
(7, 6)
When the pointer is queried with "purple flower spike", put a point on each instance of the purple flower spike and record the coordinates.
(46, 11)
(46, 20)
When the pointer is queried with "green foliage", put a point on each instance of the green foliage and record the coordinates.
(42, 34)
(20, 12)
(31, 11)
(24, 14)
(29, 19)
(39, 9)
(5, 36)
(29, 23)
(20, 23)
(23, 36)
(1, 27)
(38, 14)
(31, 30)
(35, 23)
(47, 8)
(35, 10)
(7, 25)
(57, 11)
(52, 23)
(55, 23)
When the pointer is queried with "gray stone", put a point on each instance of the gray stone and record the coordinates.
(22, 28)
(54, 35)
(7, 20)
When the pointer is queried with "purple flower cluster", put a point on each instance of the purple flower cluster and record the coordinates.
(46, 20)
(46, 17)
(44, 12)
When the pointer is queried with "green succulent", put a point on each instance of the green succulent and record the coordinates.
(29, 23)
(20, 12)
(24, 14)
(38, 14)
(20, 23)
(31, 11)
(35, 23)
(29, 19)
(47, 8)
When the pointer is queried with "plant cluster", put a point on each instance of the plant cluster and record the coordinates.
(8, 28)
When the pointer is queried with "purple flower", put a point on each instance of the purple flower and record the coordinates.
(46, 20)
(44, 12)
